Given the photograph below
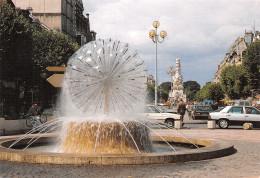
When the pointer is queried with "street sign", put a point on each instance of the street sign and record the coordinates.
(56, 80)
(56, 69)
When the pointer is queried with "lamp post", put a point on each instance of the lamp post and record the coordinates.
(171, 73)
(155, 38)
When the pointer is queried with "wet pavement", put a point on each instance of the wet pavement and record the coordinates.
(244, 163)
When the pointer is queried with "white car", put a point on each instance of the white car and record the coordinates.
(236, 115)
(155, 116)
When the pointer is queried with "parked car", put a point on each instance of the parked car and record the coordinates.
(201, 111)
(236, 115)
(153, 113)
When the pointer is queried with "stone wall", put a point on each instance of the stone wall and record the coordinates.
(10, 127)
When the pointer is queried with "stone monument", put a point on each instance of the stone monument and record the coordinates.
(177, 87)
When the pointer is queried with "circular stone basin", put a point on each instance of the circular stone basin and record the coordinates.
(210, 149)
(158, 147)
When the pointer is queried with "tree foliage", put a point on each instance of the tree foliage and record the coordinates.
(51, 49)
(211, 91)
(215, 92)
(150, 93)
(203, 93)
(15, 43)
(234, 82)
(24, 55)
(166, 86)
(251, 64)
(190, 89)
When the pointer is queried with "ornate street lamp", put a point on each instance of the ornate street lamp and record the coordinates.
(171, 73)
(155, 38)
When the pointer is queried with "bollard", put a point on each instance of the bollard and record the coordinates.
(177, 124)
(211, 124)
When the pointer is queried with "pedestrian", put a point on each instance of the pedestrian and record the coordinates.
(181, 108)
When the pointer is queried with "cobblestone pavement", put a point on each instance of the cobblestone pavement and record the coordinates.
(244, 163)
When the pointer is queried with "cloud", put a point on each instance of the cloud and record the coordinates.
(199, 32)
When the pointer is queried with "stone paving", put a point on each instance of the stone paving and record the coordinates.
(244, 163)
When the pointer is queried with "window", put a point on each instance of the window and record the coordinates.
(250, 110)
(237, 110)
(151, 109)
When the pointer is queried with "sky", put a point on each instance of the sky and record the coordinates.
(199, 32)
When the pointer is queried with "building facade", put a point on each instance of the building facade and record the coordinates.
(65, 16)
(234, 55)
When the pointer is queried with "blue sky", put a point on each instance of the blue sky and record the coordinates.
(199, 31)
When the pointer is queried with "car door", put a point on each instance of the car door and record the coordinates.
(236, 113)
(252, 114)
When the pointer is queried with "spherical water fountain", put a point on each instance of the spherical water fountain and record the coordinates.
(103, 94)
(105, 80)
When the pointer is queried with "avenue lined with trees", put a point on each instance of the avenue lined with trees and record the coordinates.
(236, 82)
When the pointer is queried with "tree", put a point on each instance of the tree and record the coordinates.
(215, 92)
(15, 43)
(150, 93)
(51, 49)
(234, 83)
(164, 89)
(15, 54)
(251, 64)
(204, 92)
(166, 86)
(190, 89)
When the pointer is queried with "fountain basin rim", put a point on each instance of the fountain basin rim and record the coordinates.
(213, 149)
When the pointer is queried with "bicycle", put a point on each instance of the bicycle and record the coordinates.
(34, 121)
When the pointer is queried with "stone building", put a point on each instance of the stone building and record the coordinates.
(65, 16)
(234, 55)
(177, 86)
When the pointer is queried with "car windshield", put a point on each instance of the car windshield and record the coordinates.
(204, 108)
(151, 109)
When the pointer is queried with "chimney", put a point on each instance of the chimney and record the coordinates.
(87, 15)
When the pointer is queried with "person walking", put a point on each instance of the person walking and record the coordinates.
(181, 108)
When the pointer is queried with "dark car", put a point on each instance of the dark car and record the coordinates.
(201, 112)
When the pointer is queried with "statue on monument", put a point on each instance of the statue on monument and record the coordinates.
(177, 86)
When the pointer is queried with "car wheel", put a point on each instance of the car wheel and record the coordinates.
(170, 123)
(223, 123)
